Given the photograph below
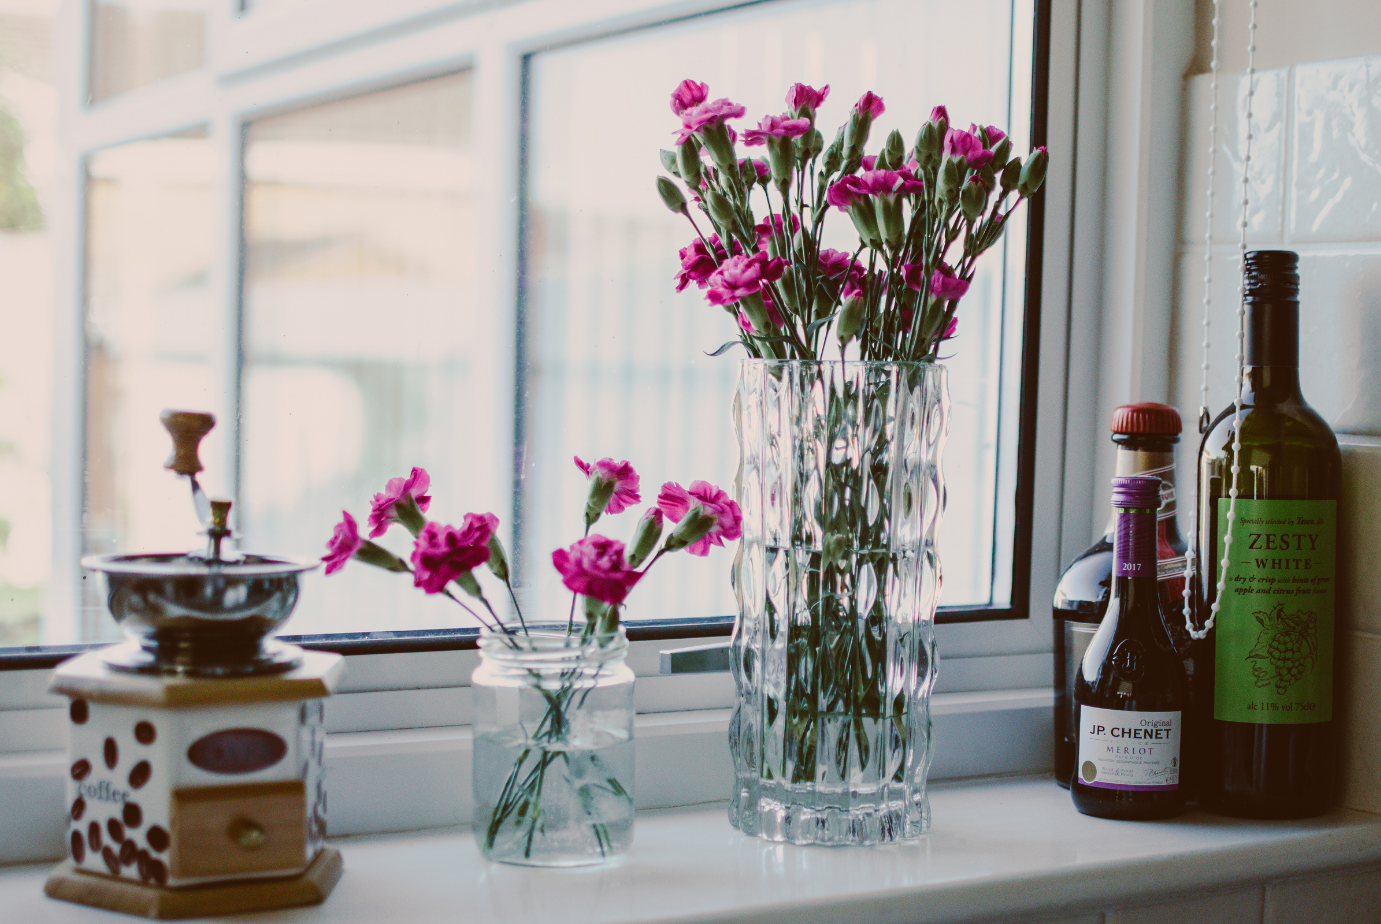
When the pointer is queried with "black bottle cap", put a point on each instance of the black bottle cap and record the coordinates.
(1271, 276)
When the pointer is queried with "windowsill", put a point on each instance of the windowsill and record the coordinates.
(998, 848)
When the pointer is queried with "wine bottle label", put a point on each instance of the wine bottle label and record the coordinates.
(1122, 749)
(1274, 633)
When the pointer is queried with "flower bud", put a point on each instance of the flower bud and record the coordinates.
(865, 221)
(782, 159)
(834, 155)
(1002, 151)
(808, 146)
(1011, 174)
(1033, 174)
(645, 536)
(498, 561)
(669, 162)
(721, 149)
(688, 163)
(380, 557)
(951, 179)
(747, 172)
(850, 320)
(601, 489)
(788, 286)
(720, 209)
(973, 198)
(856, 135)
(893, 153)
(891, 224)
(694, 526)
(929, 143)
(671, 195)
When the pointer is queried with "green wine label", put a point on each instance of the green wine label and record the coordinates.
(1274, 648)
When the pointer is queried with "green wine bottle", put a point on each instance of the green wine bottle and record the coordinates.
(1267, 728)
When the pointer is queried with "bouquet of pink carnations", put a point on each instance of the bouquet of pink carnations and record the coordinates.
(923, 216)
(596, 569)
(552, 769)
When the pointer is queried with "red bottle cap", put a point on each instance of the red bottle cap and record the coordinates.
(1147, 417)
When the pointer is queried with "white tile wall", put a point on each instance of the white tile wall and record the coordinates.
(1315, 188)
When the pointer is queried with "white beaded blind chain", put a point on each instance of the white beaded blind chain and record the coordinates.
(1241, 321)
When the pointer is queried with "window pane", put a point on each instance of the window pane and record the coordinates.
(151, 342)
(615, 360)
(138, 42)
(360, 352)
(28, 136)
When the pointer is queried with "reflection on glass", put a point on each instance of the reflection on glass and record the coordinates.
(151, 343)
(28, 138)
(138, 42)
(615, 360)
(358, 357)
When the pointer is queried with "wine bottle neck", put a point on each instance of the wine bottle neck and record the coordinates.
(1134, 544)
(1157, 459)
(1272, 333)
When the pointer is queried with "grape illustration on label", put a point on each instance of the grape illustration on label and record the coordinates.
(1285, 647)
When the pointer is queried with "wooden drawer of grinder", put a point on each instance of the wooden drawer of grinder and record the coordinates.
(246, 828)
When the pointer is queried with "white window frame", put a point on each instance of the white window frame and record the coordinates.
(404, 716)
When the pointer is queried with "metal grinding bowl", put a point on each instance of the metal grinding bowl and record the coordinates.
(192, 616)
(207, 615)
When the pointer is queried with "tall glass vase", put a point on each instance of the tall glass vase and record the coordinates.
(837, 580)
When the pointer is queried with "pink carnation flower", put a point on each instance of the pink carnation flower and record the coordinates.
(869, 162)
(443, 553)
(698, 264)
(688, 94)
(772, 227)
(870, 103)
(945, 285)
(381, 512)
(802, 98)
(345, 541)
(880, 182)
(742, 276)
(913, 274)
(623, 476)
(994, 134)
(964, 146)
(834, 262)
(698, 117)
(843, 192)
(939, 113)
(676, 501)
(782, 126)
(759, 166)
(595, 567)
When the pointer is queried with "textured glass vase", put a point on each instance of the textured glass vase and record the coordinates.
(553, 758)
(838, 578)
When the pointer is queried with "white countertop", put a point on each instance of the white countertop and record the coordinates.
(997, 848)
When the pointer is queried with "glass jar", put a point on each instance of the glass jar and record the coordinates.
(553, 748)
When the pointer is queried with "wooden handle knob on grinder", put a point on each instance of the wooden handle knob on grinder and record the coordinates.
(186, 428)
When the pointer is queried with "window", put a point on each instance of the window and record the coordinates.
(392, 251)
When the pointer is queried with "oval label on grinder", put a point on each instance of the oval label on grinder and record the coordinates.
(237, 750)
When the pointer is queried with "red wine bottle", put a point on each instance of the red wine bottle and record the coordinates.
(1268, 740)
(1131, 692)
(1145, 435)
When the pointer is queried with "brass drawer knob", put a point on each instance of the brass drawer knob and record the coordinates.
(248, 834)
